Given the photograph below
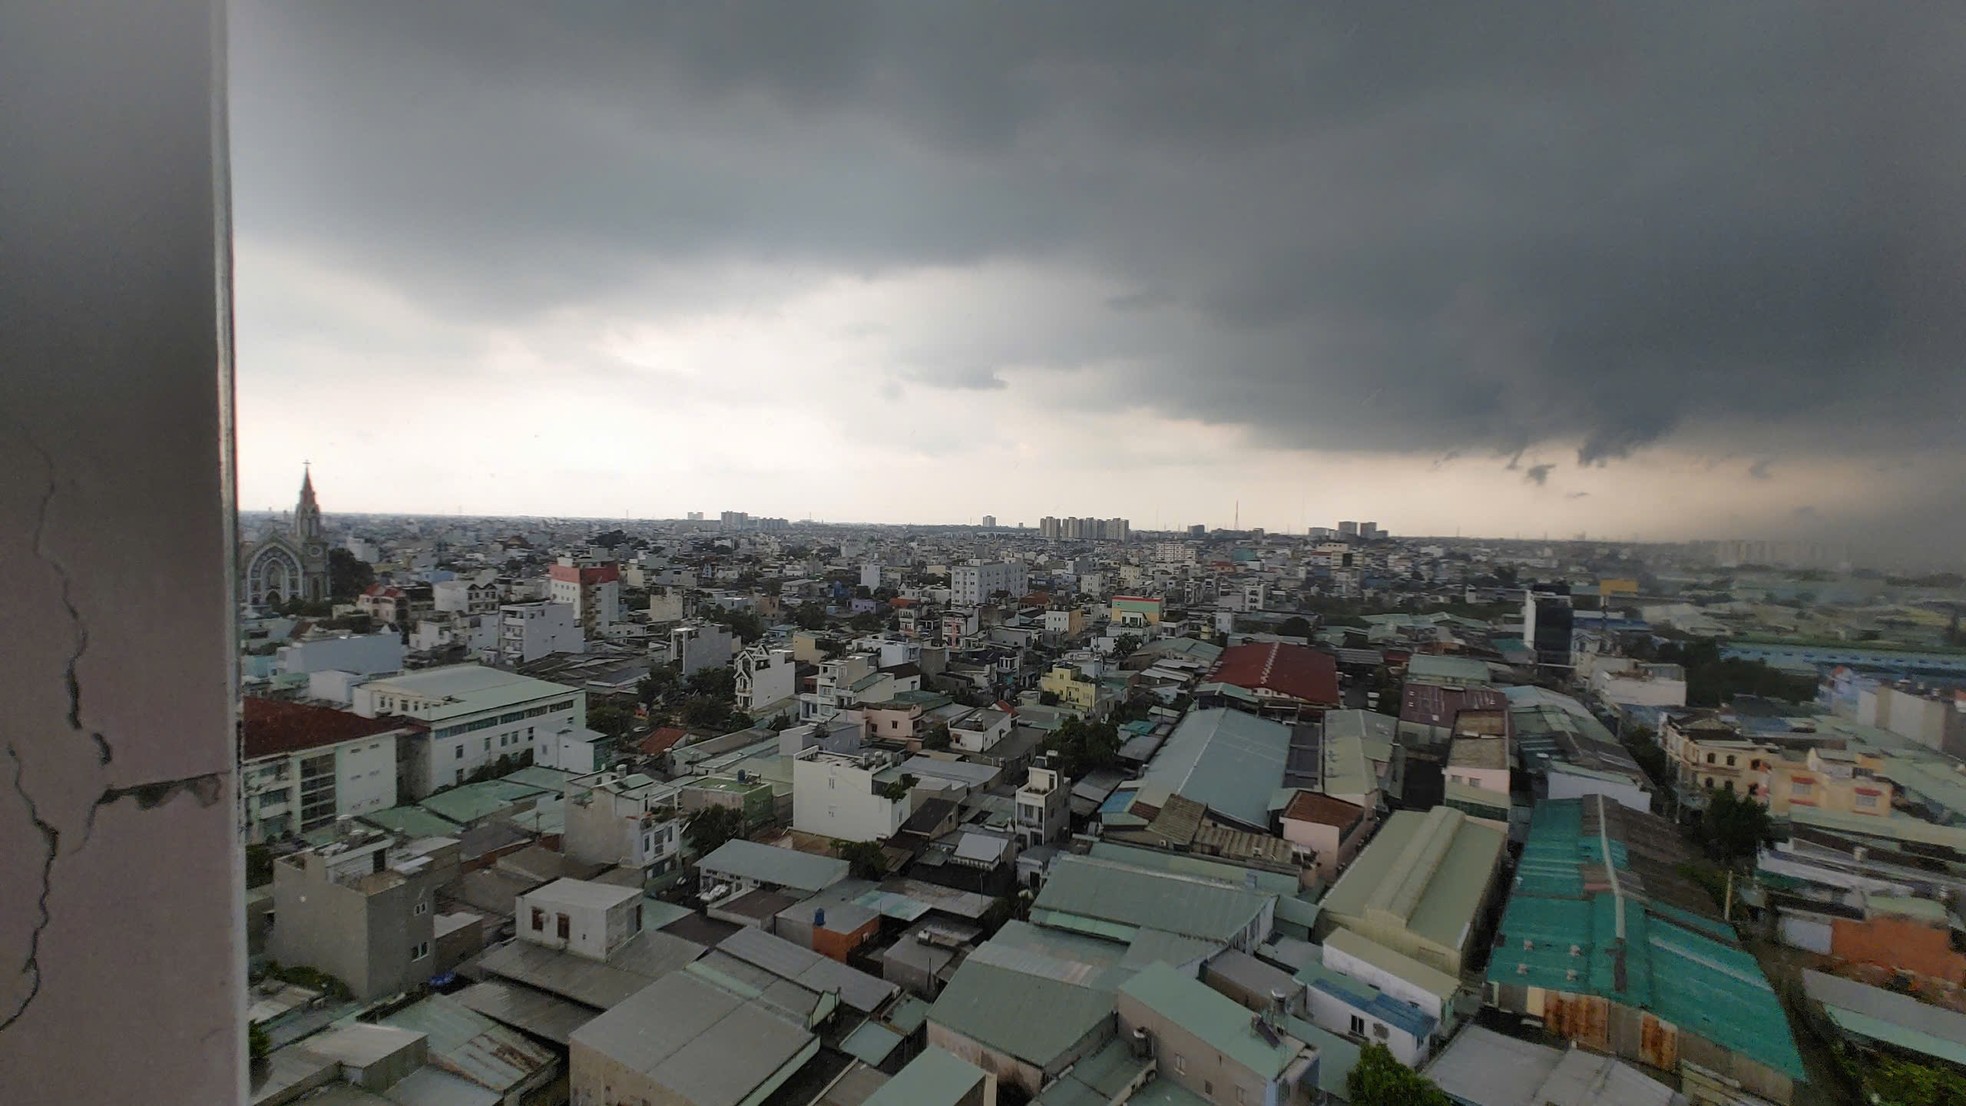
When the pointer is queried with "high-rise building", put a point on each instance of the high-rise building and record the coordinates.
(977, 583)
(989, 522)
(1198, 530)
(1348, 529)
(695, 516)
(1370, 531)
(1547, 622)
(591, 586)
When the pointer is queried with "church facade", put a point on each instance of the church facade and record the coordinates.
(293, 564)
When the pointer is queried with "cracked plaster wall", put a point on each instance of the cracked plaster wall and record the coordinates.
(121, 911)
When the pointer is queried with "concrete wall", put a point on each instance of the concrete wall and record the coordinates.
(1896, 942)
(122, 945)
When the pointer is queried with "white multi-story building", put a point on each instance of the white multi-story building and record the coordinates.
(842, 683)
(848, 796)
(474, 715)
(978, 583)
(529, 631)
(591, 586)
(470, 595)
(696, 646)
(629, 821)
(305, 767)
(1043, 807)
(765, 676)
(361, 654)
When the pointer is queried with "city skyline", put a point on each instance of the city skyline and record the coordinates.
(1328, 266)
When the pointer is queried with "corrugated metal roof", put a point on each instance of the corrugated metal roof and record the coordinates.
(1221, 1022)
(595, 983)
(1227, 760)
(530, 1011)
(1030, 1017)
(1484, 1066)
(871, 1043)
(431, 1087)
(1119, 893)
(856, 988)
(1875, 1014)
(935, 1078)
(1098, 1080)
(700, 1042)
(1366, 998)
(770, 864)
(1430, 980)
(467, 1043)
(1431, 869)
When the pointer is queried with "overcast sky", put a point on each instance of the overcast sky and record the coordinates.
(1665, 270)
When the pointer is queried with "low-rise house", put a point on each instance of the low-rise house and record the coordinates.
(1212, 1047)
(1043, 807)
(1363, 1013)
(743, 865)
(861, 796)
(981, 731)
(362, 909)
(1326, 832)
(631, 821)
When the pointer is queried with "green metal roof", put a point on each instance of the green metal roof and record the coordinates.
(1139, 898)
(872, 1043)
(1187, 864)
(1430, 868)
(1223, 1023)
(1161, 1091)
(468, 803)
(412, 821)
(1228, 760)
(935, 1078)
(1894, 827)
(1684, 968)
(1032, 1018)
(1098, 1080)
(1336, 1055)
(1428, 668)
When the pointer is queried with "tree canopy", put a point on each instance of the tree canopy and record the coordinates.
(1733, 828)
(711, 827)
(1380, 1080)
(1078, 746)
(348, 574)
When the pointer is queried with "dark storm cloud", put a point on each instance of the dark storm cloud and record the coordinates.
(1461, 228)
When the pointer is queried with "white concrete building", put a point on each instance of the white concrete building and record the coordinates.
(980, 732)
(574, 749)
(361, 654)
(468, 595)
(1622, 681)
(695, 646)
(580, 917)
(591, 586)
(474, 714)
(765, 676)
(630, 821)
(529, 631)
(978, 583)
(848, 796)
(305, 767)
(1044, 807)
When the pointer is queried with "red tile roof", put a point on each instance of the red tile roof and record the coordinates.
(662, 740)
(1297, 671)
(1436, 706)
(271, 727)
(1309, 806)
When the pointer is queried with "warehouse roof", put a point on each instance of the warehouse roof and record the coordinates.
(1601, 886)
(1221, 1022)
(1429, 667)
(1875, 1014)
(1295, 671)
(771, 864)
(856, 988)
(538, 1013)
(1030, 1017)
(1425, 871)
(1431, 980)
(469, 1044)
(697, 1040)
(1117, 900)
(1227, 760)
(935, 1078)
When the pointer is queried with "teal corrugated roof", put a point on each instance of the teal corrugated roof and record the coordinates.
(1228, 760)
(1027, 1016)
(412, 821)
(872, 1043)
(1136, 897)
(1684, 968)
(1221, 1022)
(935, 1078)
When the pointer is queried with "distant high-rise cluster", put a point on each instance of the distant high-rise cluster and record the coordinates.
(741, 520)
(989, 522)
(1085, 529)
(696, 516)
(1364, 531)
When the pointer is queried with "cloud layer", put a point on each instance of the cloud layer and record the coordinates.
(1482, 231)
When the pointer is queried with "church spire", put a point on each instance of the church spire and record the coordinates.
(307, 513)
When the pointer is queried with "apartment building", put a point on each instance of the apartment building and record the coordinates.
(303, 767)
(627, 820)
(589, 585)
(971, 584)
(1044, 807)
(765, 675)
(848, 796)
(529, 631)
(470, 716)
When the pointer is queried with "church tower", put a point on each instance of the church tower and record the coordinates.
(307, 513)
(282, 567)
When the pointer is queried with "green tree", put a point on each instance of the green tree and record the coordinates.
(711, 826)
(809, 616)
(610, 719)
(868, 620)
(1126, 645)
(1734, 827)
(1078, 746)
(706, 712)
(1048, 698)
(936, 737)
(347, 574)
(1380, 1080)
(717, 683)
(868, 860)
(661, 682)
(1295, 626)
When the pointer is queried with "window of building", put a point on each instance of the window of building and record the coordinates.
(1709, 758)
(1730, 760)
(564, 927)
(635, 919)
(538, 919)
(1358, 1026)
(1867, 800)
(421, 908)
(419, 950)
(459, 751)
(1180, 1065)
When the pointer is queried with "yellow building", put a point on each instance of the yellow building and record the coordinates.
(1074, 690)
(1829, 779)
(1135, 610)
